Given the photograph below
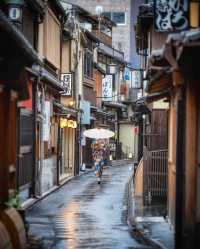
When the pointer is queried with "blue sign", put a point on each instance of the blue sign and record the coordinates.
(127, 74)
(85, 106)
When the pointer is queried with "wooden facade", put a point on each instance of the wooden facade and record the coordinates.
(13, 88)
(52, 38)
(183, 142)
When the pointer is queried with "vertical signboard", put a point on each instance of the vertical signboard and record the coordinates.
(107, 87)
(136, 79)
(171, 15)
(66, 79)
(46, 124)
(86, 115)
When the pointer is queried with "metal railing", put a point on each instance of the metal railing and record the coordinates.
(155, 175)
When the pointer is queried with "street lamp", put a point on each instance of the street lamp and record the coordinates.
(14, 11)
(99, 11)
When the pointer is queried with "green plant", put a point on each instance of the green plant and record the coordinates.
(14, 201)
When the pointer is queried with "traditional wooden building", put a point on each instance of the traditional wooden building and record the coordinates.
(33, 12)
(182, 91)
(151, 116)
(47, 96)
(16, 54)
(174, 76)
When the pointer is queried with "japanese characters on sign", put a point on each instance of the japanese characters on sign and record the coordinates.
(46, 124)
(112, 146)
(136, 79)
(66, 79)
(107, 87)
(68, 123)
(171, 15)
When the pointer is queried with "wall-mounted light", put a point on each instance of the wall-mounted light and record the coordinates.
(71, 103)
(14, 10)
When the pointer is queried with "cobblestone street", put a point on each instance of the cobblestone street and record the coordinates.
(83, 214)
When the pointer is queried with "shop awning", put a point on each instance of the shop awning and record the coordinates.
(13, 43)
(62, 110)
(99, 68)
(188, 54)
(158, 95)
(99, 111)
(111, 52)
(159, 73)
(116, 105)
(91, 36)
(16, 53)
(50, 79)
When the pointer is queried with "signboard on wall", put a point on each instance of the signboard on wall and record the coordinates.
(86, 115)
(136, 79)
(171, 15)
(107, 87)
(68, 123)
(46, 124)
(66, 80)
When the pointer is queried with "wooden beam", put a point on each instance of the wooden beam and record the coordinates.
(191, 153)
(4, 134)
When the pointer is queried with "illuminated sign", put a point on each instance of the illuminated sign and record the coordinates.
(68, 123)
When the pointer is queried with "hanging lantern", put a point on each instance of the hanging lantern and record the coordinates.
(14, 11)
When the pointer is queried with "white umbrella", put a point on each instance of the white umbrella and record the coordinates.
(98, 133)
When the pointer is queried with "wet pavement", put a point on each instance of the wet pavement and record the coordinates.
(85, 215)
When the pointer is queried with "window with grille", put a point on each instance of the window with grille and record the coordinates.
(88, 64)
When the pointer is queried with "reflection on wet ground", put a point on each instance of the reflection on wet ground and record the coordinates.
(83, 214)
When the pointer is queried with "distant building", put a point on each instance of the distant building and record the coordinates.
(122, 12)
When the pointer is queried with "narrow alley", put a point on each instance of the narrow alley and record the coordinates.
(99, 85)
(90, 216)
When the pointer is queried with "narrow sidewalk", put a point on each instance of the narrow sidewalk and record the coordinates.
(149, 223)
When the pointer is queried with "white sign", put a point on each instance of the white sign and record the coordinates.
(107, 88)
(46, 124)
(171, 15)
(66, 79)
(136, 81)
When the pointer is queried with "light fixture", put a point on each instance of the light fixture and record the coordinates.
(71, 103)
(14, 11)
(98, 10)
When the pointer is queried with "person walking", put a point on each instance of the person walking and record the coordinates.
(98, 160)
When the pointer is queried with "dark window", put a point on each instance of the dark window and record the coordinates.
(107, 14)
(88, 64)
(118, 17)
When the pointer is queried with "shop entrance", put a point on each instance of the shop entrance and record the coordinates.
(25, 155)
